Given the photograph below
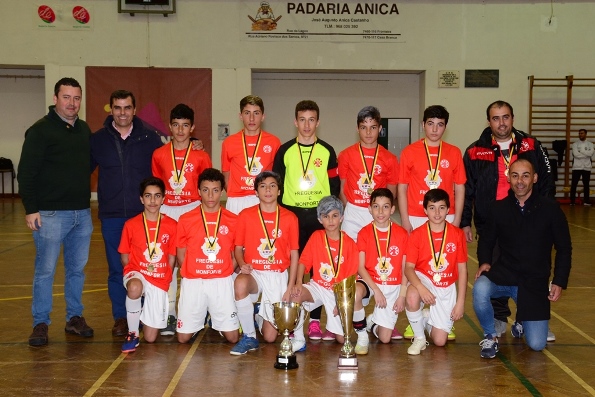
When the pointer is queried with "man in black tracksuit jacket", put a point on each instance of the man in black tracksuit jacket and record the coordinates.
(486, 161)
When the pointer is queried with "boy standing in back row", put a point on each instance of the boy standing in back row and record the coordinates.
(246, 154)
(309, 172)
(179, 166)
(364, 167)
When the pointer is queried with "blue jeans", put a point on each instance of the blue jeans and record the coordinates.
(71, 229)
(111, 229)
(483, 291)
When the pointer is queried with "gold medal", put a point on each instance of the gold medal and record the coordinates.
(212, 257)
(151, 268)
(369, 173)
(304, 185)
(271, 259)
(506, 172)
(370, 190)
(383, 277)
(437, 277)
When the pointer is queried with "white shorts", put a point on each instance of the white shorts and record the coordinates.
(385, 317)
(156, 304)
(417, 221)
(237, 204)
(446, 298)
(272, 286)
(354, 219)
(176, 211)
(199, 295)
(323, 296)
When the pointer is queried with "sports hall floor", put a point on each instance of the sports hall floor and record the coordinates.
(73, 366)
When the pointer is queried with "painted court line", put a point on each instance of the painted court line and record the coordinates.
(60, 294)
(105, 375)
(178, 375)
(548, 354)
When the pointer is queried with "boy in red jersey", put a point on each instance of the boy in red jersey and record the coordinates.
(266, 245)
(364, 167)
(205, 242)
(427, 164)
(246, 154)
(381, 246)
(147, 252)
(333, 256)
(436, 259)
(179, 166)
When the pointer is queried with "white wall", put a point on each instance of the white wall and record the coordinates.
(340, 96)
(504, 35)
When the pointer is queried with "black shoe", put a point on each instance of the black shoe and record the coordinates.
(78, 326)
(39, 336)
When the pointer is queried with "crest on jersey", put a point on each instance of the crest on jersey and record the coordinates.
(265, 249)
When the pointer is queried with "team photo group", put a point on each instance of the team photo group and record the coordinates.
(298, 222)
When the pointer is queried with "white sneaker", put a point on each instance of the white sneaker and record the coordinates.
(298, 345)
(361, 347)
(551, 337)
(500, 327)
(369, 323)
(417, 346)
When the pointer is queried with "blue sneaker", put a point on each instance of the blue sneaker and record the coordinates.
(130, 343)
(489, 347)
(517, 330)
(298, 345)
(245, 345)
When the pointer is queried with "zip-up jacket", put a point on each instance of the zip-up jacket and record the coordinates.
(481, 165)
(123, 164)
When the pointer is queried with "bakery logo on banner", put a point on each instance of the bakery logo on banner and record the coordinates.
(264, 20)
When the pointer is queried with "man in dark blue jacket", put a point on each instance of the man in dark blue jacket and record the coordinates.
(122, 150)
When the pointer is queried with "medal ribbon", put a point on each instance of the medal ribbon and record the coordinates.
(369, 174)
(433, 175)
(249, 163)
(378, 242)
(264, 227)
(149, 241)
(305, 168)
(179, 172)
(442, 246)
(204, 224)
(336, 266)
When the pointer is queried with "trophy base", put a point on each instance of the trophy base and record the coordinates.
(286, 362)
(348, 363)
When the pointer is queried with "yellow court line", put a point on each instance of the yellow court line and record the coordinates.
(60, 294)
(178, 375)
(570, 373)
(573, 327)
(581, 227)
(105, 375)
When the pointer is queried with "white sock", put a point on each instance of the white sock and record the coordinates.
(172, 293)
(133, 309)
(298, 333)
(359, 315)
(416, 321)
(246, 316)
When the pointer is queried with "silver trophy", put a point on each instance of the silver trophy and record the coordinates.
(345, 299)
(286, 316)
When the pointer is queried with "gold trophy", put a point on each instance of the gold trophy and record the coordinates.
(286, 316)
(345, 298)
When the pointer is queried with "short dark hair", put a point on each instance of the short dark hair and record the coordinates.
(582, 129)
(69, 81)
(264, 175)
(382, 192)
(211, 175)
(499, 104)
(182, 111)
(435, 195)
(436, 112)
(251, 100)
(151, 181)
(369, 112)
(305, 105)
(122, 94)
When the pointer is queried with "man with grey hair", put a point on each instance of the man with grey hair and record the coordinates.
(582, 151)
